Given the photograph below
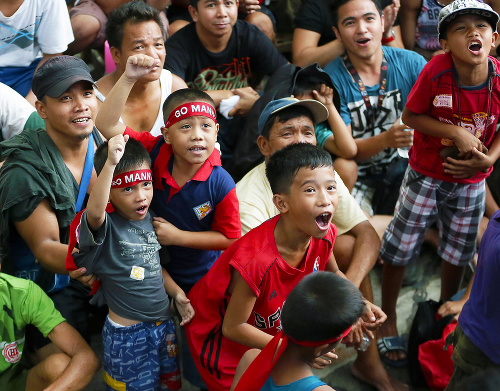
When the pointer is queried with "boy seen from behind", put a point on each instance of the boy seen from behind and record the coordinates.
(118, 244)
(454, 108)
(238, 303)
(329, 305)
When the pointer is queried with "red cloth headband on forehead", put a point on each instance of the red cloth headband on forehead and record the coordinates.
(261, 367)
(191, 109)
(131, 178)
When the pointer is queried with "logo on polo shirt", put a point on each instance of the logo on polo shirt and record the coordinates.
(316, 264)
(203, 210)
(10, 352)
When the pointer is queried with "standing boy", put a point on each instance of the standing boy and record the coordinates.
(117, 243)
(238, 303)
(454, 110)
(194, 197)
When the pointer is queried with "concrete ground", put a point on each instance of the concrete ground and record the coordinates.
(425, 275)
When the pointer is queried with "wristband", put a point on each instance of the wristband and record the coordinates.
(390, 39)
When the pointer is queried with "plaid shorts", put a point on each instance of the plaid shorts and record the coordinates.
(457, 209)
(142, 357)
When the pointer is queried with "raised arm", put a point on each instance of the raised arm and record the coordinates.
(409, 14)
(306, 51)
(98, 199)
(108, 117)
(342, 144)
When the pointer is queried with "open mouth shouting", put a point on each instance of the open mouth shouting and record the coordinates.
(363, 41)
(323, 221)
(142, 209)
(475, 47)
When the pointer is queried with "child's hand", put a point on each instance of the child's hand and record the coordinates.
(462, 169)
(465, 141)
(324, 95)
(372, 318)
(116, 148)
(451, 308)
(166, 232)
(324, 360)
(186, 310)
(140, 65)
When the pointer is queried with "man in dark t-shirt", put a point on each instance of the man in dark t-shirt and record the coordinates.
(222, 56)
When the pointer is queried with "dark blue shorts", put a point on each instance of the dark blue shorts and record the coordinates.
(141, 357)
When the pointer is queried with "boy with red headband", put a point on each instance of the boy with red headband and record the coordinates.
(193, 195)
(118, 244)
(329, 305)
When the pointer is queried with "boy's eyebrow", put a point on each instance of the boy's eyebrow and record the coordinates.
(307, 181)
(349, 18)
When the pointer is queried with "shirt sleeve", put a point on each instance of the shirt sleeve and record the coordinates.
(89, 244)
(38, 310)
(145, 138)
(309, 17)
(176, 60)
(265, 57)
(322, 131)
(348, 213)
(419, 98)
(54, 32)
(227, 216)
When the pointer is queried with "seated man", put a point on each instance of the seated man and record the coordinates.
(44, 180)
(28, 28)
(89, 17)
(287, 121)
(372, 113)
(24, 303)
(315, 41)
(223, 57)
(252, 11)
(136, 28)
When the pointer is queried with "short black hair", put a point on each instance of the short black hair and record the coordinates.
(335, 5)
(185, 95)
(284, 164)
(328, 304)
(285, 115)
(194, 3)
(134, 156)
(134, 12)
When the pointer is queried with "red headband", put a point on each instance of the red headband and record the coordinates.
(131, 178)
(261, 367)
(191, 109)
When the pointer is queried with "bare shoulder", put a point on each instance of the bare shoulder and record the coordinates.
(105, 83)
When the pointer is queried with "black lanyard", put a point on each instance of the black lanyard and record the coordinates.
(371, 112)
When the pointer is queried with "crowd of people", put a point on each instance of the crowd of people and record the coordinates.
(215, 208)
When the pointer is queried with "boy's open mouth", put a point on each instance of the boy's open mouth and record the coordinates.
(142, 208)
(197, 148)
(323, 220)
(475, 47)
(363, 41)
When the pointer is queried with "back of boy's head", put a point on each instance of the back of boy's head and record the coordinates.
(321, 306)
(134, 156)
(336, 4)
(284, 164)
(185, 95)
(133, 12)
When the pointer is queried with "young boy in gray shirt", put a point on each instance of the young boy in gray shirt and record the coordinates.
(118, 244)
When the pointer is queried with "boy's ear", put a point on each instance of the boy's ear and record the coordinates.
(444, 45)
(494, 38)
(40, 108)
(281, 202)
(166, 135)
(193, 12)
